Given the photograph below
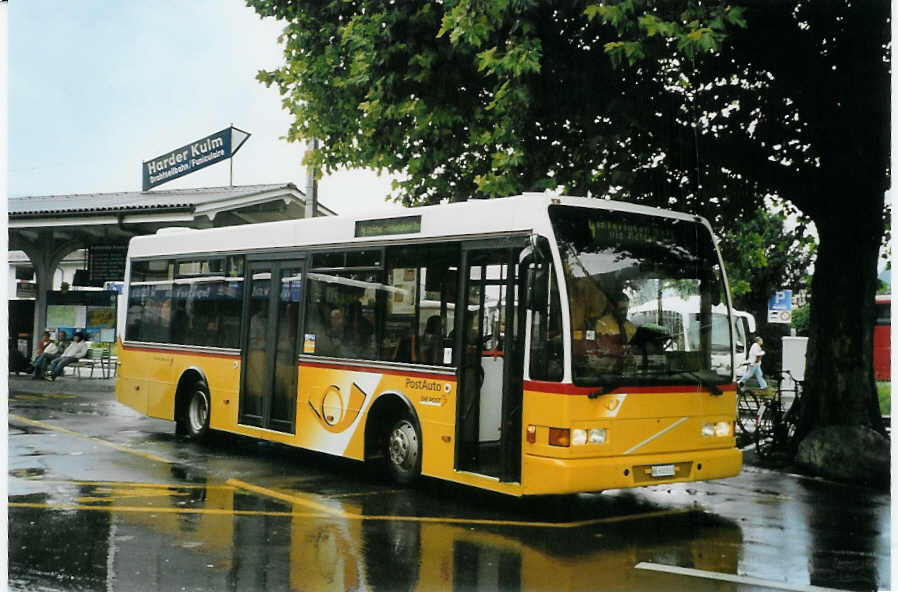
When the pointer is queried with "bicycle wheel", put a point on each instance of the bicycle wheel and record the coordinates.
(765, 431)
(791, 429)
(747, 412)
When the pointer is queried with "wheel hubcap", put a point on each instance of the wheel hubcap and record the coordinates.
(199, 411)
(403, 446)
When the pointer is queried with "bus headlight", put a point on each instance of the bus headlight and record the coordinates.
(598, 435)
(577, 436)
(720, 429)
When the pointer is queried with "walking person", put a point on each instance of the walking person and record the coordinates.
(75, 351)
(754, 357)
(46, 352)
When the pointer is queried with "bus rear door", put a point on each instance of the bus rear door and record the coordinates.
(268, 379)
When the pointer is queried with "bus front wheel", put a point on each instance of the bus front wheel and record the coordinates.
(194, 421)
(403, 449)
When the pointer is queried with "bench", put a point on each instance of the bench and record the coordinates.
(96, 358)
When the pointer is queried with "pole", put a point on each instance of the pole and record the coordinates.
(311, 186)
(231, 159)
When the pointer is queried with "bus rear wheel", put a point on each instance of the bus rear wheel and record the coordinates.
(194, 420)
(403, 452)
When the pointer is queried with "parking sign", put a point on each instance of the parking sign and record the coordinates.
(779, 307)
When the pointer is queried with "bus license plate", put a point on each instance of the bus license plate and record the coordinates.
(663, 471)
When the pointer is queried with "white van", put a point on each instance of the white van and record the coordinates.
(678, 316)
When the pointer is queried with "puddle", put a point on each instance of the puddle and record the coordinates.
(28, 473)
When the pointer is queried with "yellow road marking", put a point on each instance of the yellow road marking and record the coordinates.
(561, 525)
(113, 493)
(152, 510)
(118, 447)
(135, 484)
(284, 497)
(447, 520)
(364, 493)
(39, 396)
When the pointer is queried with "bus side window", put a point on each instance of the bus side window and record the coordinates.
(418, 312)
(546, 338)
(149, 301)
(340, 314)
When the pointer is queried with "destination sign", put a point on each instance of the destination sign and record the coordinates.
(385, 226)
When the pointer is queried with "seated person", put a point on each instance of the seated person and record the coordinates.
(614, 322)
(46, 352)
(432, 341)
(75, 351)
(611, 333)
(331, 342)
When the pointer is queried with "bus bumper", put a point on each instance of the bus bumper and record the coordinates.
(542, 475)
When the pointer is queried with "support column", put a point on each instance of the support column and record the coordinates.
(45, 254)
(43, 272)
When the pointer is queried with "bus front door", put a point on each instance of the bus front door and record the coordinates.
(268, 378)
(490, 342)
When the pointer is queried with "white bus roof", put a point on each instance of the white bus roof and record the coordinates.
(523, 213)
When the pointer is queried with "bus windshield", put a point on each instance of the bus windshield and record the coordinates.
(647, 299)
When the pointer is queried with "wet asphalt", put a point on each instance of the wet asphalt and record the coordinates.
(103, 498)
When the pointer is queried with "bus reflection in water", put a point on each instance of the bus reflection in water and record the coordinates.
(520, 345)
(205, 544)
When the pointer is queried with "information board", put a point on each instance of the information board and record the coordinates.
(106, 263)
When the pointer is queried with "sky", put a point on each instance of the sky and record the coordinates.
(98, 87)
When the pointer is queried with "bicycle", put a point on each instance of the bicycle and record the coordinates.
(776, 428)
(747, 407)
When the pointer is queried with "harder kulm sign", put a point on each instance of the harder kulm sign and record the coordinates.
(193, 157)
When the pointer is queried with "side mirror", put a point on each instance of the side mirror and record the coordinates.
(539, 248)
(537, 286)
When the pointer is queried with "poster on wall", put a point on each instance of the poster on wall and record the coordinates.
(64, 315)
(90, 311)
(100, 317)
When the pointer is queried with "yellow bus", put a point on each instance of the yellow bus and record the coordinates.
(487, 343)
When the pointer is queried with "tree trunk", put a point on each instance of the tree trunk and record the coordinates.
(839, 385)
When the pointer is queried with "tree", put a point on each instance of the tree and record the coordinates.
(764, 253)
(830, 71)
(770, 250)
(700, 106)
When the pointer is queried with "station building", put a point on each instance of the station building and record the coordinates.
(64, 246)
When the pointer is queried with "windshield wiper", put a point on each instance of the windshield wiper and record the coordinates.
(712, 386)
(703, 381)
(610, 383)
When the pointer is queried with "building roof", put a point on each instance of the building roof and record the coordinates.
(60, 223)
(129, 201)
